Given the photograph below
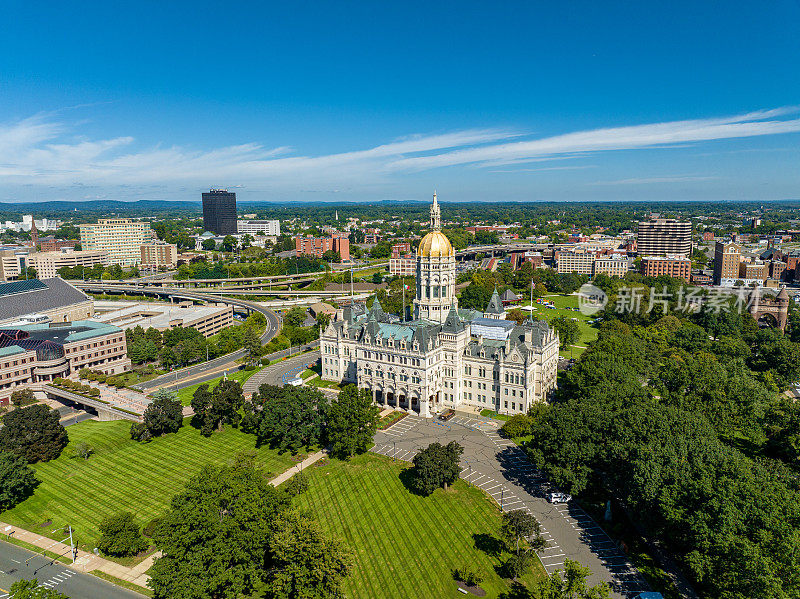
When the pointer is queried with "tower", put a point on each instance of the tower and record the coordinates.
(435, 272)
(219, 212)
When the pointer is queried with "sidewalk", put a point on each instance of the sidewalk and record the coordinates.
(287, 474)
(86, 562)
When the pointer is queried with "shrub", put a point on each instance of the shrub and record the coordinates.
(120, 536)
(297, 485)
(83, 450)
(518, 425)
(85, 373)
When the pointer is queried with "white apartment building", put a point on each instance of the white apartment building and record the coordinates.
(48, 263)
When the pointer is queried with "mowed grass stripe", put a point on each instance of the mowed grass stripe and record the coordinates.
(406, 545)
(124, 475)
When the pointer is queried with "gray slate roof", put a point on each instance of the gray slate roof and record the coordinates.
(495, 305)
(57, 293)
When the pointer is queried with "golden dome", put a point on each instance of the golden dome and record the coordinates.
(435, 245)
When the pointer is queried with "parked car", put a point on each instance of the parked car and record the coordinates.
(558, 497)
(295, 382)
(447, 415)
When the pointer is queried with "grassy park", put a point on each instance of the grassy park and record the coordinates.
(124, 475)
(588, 333)
(185, 394)
(406, 545)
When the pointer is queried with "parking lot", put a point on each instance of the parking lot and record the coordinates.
(503, 471)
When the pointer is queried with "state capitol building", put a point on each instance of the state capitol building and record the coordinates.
(445, 357)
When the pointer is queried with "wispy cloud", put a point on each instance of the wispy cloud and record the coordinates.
(44, 151)
(648, 180)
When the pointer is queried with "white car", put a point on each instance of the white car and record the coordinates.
(559, 497)
(295, 382)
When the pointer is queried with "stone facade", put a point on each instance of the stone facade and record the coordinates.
(446, 357)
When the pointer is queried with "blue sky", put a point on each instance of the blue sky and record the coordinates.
(342, 101)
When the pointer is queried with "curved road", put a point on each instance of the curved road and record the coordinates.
(273, 375)
(217, 365)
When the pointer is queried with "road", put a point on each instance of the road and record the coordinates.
(217, 364)
(502, 469)
(54, 575)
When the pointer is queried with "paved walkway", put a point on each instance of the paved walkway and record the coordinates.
(309, 461)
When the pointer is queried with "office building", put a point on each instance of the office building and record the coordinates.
(677, 267)
(52, 244)
(727, 256)
(32, 354)
(270, 228)
(615, 265)
(48, 263)
(664, 236)
(122, 238)
(578, 262)
(208, 319)
(157, 254)
(402, 266)
(219, 212)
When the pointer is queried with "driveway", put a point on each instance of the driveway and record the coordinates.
(502, 469)
(274, 375)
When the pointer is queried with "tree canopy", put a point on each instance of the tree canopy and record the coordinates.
(17, 480)
(436, 466)
(34, 433)
(287, 418)
(351, 422)
(214, 409)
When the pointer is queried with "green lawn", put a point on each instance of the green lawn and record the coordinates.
(185, 394)
(124, 475)
(405, 545)
(588, 333)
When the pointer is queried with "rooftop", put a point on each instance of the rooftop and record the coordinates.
(18, 298)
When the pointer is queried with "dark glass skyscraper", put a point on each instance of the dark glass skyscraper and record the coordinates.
(219, 212)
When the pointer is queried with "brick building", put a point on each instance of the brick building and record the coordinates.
(317, 246)
(677, 267)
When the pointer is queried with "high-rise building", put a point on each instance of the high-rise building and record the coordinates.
(664, 236)
(121, 237)
(219, 212)
(726, 263)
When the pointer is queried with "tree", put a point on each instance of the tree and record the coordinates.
(520, 525)
(475, 297)
(83, 450)
(323, 320)
(163, 415)
(22, 397)
(228, 243)
(30, 589)
(332, 256)
(307, 563)
(251, 344)
(120, 536)
(377, 278)
(214, 409)
(572, 585)
(286, 418)
(209, 245)
(17, 480)
(436, 466)
(518, 425)
(352, 422)
(34, 433)
(215, 536)
(568, 330)
(295, 317)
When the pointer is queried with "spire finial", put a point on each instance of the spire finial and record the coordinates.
(436, 214)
